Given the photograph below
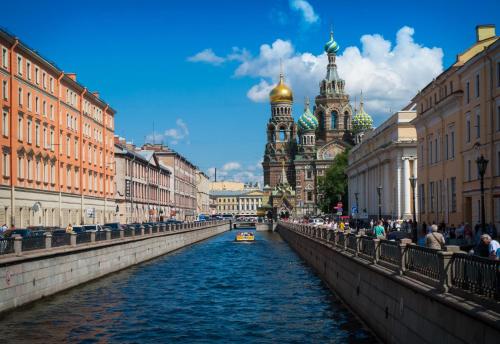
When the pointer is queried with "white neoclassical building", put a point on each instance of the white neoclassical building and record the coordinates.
(386, 157)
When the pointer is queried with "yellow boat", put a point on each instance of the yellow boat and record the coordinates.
(245, 236)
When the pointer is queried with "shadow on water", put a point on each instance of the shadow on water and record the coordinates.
(214, 291)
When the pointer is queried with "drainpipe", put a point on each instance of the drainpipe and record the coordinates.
(80, 172)
(12, 140)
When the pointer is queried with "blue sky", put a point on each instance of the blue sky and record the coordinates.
(200, 70)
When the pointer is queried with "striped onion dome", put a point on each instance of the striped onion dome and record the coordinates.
(307, 121)
(331, 46)
(361, 120)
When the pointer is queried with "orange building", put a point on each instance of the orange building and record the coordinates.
(458, 120)
(56, 143)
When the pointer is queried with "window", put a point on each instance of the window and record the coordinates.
(309, 196)
(44, 80)
(451, 86)
(77, 179)
(28, 70)
(76, 149)
(45, 144)
(467, 92)
(452, 144)
(5, 91)
(52, 174)
(453, 189)
(308, 174)
(68, 178)
(51, 139)
(37, 135)
(19, 167)
(28, 99)
(37, 105)
(467, 129)
(498, 118)
(19, 65)
(5, 123)
(334, 120)
(68, 146)
(430, 151)
(436, 157)
(477, 85)
(20, 96)
(5, 57)
(447, 148)
(422, 198)
(469, 170)
(28, 136)
(30, 169)
(20, 129)
(478, 124)
(51, 111)
(51, 84)
(5, 165)
(431, 195)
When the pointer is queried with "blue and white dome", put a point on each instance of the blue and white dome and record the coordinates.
(307, 121)
(331, 46)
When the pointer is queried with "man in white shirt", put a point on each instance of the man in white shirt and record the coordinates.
(493, 246)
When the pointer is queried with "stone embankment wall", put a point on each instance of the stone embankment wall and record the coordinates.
(396, 308)
(38, 274)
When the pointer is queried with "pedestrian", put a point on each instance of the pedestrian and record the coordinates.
(371, 224)
(379, 230)
(493, 246)
(2, 230)
(435, 239)
(69, 228)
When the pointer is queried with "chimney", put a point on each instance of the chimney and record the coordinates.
(96, 94)
(484, 32)
(72, 76)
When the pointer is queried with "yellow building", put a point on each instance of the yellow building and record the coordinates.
(237, 202)
(228, 185)
(458, 120)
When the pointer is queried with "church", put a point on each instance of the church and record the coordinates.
(297, 153)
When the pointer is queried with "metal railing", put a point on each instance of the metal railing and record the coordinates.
(446, 271)
(6, 245)
(425, 261)
(33, 243)
(475, 275)
(16, 245)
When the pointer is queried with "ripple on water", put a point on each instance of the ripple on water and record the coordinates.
(214, 291)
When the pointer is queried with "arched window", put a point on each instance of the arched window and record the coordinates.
(282, 134)
(346, 120)
(334, 120)
(321, 119)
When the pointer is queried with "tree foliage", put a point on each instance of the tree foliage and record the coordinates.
(333, 185)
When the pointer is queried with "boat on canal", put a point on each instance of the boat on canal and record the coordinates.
(245, 236)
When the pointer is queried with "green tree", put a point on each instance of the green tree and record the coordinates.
(333, 185)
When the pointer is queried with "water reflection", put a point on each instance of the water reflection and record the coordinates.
(215, 291)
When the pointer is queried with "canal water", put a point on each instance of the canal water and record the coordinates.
(216, 291)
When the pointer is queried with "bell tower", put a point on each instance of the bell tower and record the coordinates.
(281, 143)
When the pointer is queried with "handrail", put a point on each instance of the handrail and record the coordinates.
(454, 272)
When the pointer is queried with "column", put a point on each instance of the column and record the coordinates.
(415, 165)
(406, 187)
(398, 187)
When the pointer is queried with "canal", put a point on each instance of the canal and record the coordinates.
(214, 291)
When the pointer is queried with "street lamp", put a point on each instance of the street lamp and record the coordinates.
(379, 192)
(482, 163)
(413, 183)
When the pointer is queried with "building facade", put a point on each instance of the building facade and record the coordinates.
(307, 148)
(57, 164)
(202, 195)
(143, 185)
(184, 192)
(237, 202)
(458, 120)
(386, 157)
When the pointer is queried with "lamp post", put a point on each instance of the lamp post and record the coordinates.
(356, 194)
(482, 163)
(379, 192)
(413, 183)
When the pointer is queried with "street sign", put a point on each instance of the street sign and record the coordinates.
(354, 210)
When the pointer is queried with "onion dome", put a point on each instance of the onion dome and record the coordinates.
(361, 120)
(307, 121)
(331, 47)
(281, 93)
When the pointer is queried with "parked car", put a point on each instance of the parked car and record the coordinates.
(114, 226)
(92, 228)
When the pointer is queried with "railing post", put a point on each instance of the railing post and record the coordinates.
(142, 230)
(403, 254)
(444, 270)
(108, 234)
(133, 230)
(92, 236)
(358, 243)
(48, 240)
(162, 226)
(72, 239)
(122, 233)
(376, 242)
(18, 245)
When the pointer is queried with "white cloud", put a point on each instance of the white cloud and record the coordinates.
(305, 9)
(388, 75)
(172, 135)
(230, 166)
(207, 56)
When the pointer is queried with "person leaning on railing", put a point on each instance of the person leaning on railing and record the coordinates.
(493, 246)
(435, 239)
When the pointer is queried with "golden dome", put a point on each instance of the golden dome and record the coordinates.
(281, 93)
